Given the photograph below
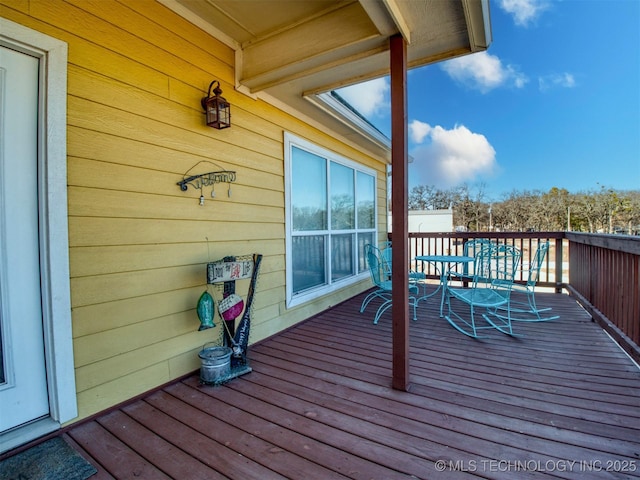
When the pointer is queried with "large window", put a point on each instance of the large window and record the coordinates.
(331, 212)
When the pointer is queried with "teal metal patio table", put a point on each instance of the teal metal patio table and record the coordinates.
(445, 261)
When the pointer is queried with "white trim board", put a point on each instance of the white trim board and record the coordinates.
(54, 241)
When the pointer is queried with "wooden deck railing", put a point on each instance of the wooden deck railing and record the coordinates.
(601, 271)
(554, 270)
(605, 277)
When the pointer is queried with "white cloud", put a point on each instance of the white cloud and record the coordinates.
(451, 157)
(418, 130)
(369, 98)
(484, 72)
(561, 80)
(524, 12)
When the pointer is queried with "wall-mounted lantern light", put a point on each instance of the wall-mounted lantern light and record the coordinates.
(216, 108)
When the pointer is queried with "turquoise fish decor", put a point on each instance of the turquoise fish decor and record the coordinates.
(206, 311)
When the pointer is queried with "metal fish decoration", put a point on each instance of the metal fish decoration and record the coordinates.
(206, 311)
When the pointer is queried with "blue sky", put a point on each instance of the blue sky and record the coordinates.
(553, 102)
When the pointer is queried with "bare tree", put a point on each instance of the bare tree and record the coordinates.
(421, 197)
(605, 210)
(629, 212)
(553, 209)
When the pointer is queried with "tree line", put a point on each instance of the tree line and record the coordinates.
(603, 210)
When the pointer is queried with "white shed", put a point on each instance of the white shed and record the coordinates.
(429, 221)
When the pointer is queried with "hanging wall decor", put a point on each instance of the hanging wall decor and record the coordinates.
(209, 179)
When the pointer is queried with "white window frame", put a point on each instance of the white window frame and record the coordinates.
(291, 141)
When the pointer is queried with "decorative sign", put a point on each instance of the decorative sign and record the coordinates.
(222, 271)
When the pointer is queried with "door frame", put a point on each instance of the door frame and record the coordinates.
(53, 228)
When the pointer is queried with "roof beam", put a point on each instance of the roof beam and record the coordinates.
(398, 18)
(312, 68)
(307, 46)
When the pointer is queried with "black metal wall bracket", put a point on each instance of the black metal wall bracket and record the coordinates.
(208, 179)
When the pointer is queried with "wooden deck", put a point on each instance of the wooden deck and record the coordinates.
(562, 401)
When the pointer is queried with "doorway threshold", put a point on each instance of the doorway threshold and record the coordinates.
(26, 433)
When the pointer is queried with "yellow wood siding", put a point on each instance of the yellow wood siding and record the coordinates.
(138, 244)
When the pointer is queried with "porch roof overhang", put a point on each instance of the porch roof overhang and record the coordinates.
(290, 52)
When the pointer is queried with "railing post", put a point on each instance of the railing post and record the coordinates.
(559, 265)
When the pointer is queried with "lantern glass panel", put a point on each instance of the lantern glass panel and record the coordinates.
(212, 112)
(224, 115)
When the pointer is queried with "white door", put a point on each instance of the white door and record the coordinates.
(23, 380)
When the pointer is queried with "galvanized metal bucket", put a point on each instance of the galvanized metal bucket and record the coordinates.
(215, 364)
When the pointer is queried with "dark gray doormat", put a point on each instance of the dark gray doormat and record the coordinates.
(50, 460)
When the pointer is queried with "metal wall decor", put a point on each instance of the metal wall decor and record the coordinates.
(209, 179)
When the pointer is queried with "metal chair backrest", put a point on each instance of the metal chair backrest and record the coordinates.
(536, 263)
(474, 248)
(386, 255)
(374, 261)
(495, 266)
(481, 264)
(505, 262)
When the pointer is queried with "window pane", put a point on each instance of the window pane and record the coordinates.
(366, 200)
(341, 256)
(342, 197)
(308, 262)
(308, 191)
(363, 239)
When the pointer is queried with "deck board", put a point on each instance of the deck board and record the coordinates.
(146, 430)
(111, 454)
(561, 401)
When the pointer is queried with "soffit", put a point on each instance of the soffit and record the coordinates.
(289, 49)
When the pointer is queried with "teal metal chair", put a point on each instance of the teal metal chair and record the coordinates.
(385, 252)
(490, 289)
(528, 311)
(415, 278)
(472, 248)
(385, 261)
(383, 283)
